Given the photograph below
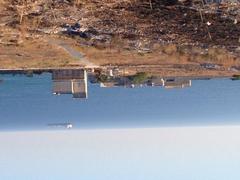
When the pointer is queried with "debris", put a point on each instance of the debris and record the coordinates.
(179, 23)
(210, 66)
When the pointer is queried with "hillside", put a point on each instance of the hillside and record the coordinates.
(123, 32)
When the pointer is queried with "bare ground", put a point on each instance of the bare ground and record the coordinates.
(168, 40)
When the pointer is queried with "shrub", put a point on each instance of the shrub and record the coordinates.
(236, 77)
(139, 78)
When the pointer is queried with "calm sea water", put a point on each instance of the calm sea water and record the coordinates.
(28, 103)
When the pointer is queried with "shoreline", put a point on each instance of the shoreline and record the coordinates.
(38, 71)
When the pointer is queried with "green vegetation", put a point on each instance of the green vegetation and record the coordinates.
(102, 78)
(236, 77)
(139, 78)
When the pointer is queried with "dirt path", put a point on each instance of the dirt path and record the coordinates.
(72, 52)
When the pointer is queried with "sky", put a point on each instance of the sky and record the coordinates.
(188, 153)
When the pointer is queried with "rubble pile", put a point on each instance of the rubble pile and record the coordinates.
(183, 22)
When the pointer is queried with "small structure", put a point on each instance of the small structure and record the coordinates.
(108, 84)
(156, 81)
(177, 83)
(73, 81)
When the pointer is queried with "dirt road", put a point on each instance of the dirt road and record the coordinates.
(72, 52)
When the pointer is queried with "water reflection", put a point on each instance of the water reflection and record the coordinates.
(70, 82)
(75, 81)
(114, 100)
(61, 125)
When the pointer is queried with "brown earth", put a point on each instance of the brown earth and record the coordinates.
(170, 40)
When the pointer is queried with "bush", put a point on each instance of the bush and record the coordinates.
(139, 78)
(236, 77)
(102, 78)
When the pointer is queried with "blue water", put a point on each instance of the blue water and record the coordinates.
(28, 103)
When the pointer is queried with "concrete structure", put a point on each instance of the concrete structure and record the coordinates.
(73, 81)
